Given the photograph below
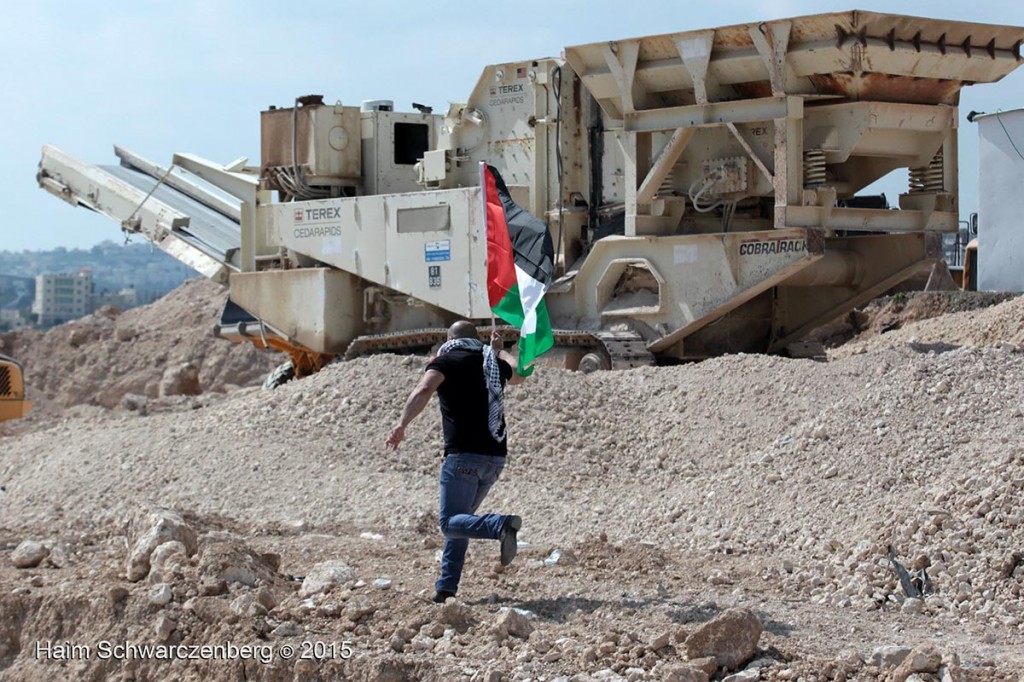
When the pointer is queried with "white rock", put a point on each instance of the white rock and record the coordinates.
(164, 627)
(157, 528)
(324, 576)
(747, 675)
(29, 554)
(382, 583)
(295, 526)
(912, 606)
(161, 557)
(160, 594)
(246, 604)
(888, 656)
(421, 644)
(661, 641)
(287, 629)
(513, 623)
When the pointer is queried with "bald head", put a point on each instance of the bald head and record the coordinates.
(463, 329)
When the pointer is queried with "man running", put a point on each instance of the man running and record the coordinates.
(469, 377)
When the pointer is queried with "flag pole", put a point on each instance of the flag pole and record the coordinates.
(483, 203)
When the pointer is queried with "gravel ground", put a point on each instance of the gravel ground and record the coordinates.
(670, 494)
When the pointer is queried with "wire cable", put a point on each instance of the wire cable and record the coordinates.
(707, 181)
(301, 188)
(1003, 126)
(148, 195)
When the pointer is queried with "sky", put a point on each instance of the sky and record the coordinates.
(193, 75)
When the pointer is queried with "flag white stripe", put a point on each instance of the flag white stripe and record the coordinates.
(531, 292)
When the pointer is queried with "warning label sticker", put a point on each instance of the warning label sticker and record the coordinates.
(436, 251)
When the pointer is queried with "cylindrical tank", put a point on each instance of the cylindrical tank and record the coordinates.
(377, 105)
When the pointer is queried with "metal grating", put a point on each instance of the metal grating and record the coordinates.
(5, 381)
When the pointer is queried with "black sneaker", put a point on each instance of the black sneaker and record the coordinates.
(441, 596)
(509, 544)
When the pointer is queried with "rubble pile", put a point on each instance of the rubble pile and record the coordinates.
(987, 326)
(742, 518)
(156, 351)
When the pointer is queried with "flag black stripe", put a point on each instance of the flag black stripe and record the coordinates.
(531, 241)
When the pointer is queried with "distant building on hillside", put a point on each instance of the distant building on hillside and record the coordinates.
(123, 300)
(61, 298)
(11, 318)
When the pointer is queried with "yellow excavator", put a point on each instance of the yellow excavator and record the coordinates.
(12, 390)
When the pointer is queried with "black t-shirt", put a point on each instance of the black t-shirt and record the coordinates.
(463, 397)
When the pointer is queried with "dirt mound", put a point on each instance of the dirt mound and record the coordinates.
(98, 359)
(654, 501)
(889, 313)
(942, 320)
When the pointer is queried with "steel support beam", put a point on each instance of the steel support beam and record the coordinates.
(753, 152)
(789, 165)
(664, 163)
(772, 43)
(869, 219)
(621, 60)
(695, 51)
(714, 114)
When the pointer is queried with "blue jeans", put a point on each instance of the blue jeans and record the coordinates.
(465, 481)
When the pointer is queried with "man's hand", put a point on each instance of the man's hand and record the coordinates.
(496, 343)
(396, 437)
(414, 404)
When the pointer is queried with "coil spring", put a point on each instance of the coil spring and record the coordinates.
(667, 186)
(928, 178)
(814, 168)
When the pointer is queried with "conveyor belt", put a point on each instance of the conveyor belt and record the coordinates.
(208, 230)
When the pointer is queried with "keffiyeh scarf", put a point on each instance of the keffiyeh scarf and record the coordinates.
(492, 377)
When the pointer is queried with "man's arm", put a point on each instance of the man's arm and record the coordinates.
(513, 362)
(499, 349)
(415, 403)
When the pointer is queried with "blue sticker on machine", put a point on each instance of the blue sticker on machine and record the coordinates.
(439, 250)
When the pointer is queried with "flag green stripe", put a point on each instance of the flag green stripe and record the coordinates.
(532, 345)
(510, 308)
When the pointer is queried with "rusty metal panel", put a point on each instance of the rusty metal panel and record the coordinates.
(326, 140)
(854, 55)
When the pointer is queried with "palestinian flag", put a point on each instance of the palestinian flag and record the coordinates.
(520, 264)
